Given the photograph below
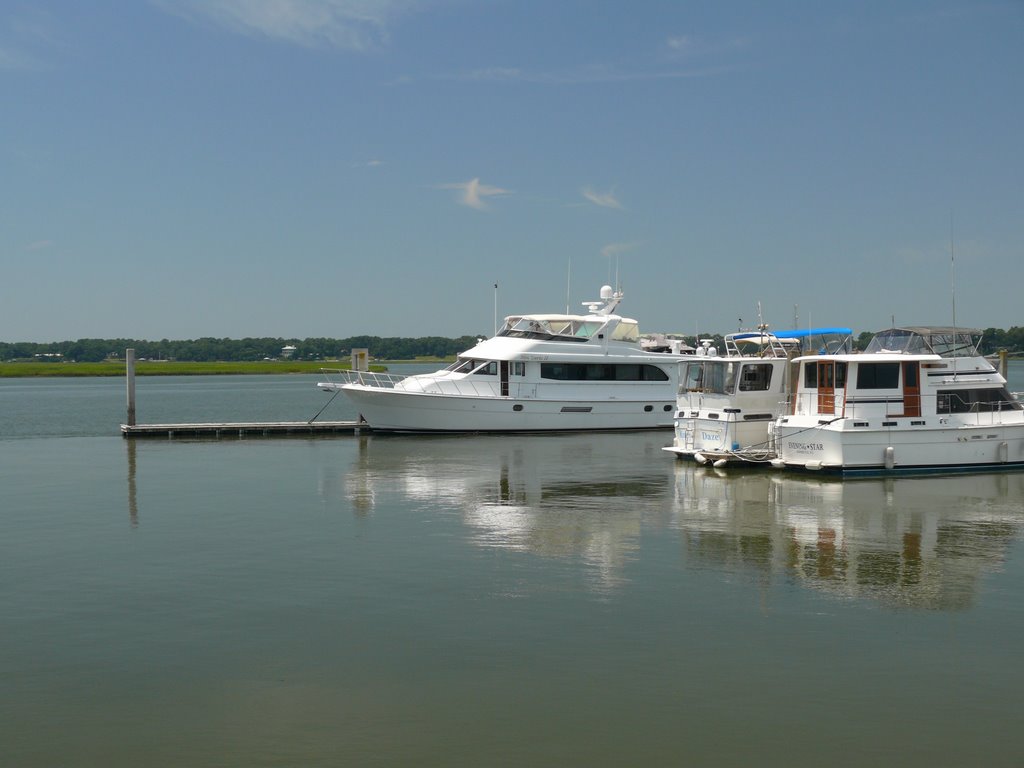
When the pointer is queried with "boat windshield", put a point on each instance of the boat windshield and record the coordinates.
(945, 342)
(717, 377)
(469, 365)
(562, 328)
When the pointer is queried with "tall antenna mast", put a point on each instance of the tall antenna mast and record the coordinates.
(952, 277)
(952, 286)
(495, 309)
(568, 285)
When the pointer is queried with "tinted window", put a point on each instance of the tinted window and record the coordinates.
(878, 376)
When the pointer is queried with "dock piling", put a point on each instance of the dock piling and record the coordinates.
(129, 364)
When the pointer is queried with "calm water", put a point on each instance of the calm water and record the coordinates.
(476, 601)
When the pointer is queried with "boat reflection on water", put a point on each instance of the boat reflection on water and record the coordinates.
(557, 496)
(906, 542)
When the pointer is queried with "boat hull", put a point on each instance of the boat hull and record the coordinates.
(901, 451)
(389, 410)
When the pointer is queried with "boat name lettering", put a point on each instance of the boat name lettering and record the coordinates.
(804, 447)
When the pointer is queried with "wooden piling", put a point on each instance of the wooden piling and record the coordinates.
(129, 364)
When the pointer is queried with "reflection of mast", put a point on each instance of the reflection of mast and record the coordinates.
(133, 501)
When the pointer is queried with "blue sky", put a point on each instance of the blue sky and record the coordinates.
(229, 168)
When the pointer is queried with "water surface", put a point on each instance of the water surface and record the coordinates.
(486, 600)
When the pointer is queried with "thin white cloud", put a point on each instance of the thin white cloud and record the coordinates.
(473, 192)
(617, 249)
(39, 245)
(587, 76)
(688, 46)
(368, 164)
(29, 29)
(354, 25)
(605, 200)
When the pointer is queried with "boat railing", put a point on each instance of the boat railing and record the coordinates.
(434, 385)
(365, 378)
(829, 406)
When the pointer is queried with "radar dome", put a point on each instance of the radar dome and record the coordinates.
(606, 292)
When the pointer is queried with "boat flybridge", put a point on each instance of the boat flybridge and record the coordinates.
(918, 399)
(726, 403)
(539, 373)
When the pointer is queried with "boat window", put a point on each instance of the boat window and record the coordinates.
(602, 372)
(756, 378)
(549, 329)
(810, 375)
(487, 368)
(692, 378)
(840, 375)
(626, 330)
(947, 342)
(976, 401)
(878, 375)
(462, 365)
(519, 369)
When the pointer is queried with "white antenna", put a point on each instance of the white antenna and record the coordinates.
(568, 285)
(952, 277)
(952, 285)
(495, 309)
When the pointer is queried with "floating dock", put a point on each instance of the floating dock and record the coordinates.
(245, 429)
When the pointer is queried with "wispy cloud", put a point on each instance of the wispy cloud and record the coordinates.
(368, 164)
(688, 46)
(617, 249)
(28, 30)
(595, 75)
(605, 200)
(354, 25)
(473, 192)
(39, 245)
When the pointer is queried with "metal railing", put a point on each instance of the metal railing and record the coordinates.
(992, 412)
(430, 384)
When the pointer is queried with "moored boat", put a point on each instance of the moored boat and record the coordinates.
(727, 403)
(919, 399)
(539, 373)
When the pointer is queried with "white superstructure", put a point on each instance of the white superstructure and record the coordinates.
(542, 372)
(727, 403)
(918, 399)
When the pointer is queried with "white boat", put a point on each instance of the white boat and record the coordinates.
(540, 373)
(726, 403)
(917, 400)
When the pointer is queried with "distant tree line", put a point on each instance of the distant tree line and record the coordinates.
(211, 349)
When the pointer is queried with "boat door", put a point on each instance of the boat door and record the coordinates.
(503, 377)
(911, 389)
(826, 386)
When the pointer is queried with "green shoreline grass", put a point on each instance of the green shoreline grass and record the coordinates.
(180, 368)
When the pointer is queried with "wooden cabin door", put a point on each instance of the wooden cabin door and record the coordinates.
(911, 389)
(826, 386)
(503, 375)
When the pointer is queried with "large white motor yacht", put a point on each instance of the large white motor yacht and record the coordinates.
(727, 402)
(917, 400)
(539, 373)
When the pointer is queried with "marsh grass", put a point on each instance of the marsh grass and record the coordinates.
(181, 368)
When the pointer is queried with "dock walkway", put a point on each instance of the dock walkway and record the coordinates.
(245, 429)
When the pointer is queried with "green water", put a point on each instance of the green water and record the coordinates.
(492, 600)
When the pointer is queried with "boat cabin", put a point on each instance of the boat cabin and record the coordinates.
(908, 372)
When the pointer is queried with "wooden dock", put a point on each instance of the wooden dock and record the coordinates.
(246, 429)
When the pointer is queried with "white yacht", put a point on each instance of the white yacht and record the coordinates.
(540, 373)
(726, 403)
(917, 400)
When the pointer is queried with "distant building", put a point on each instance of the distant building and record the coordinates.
(287, 352)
